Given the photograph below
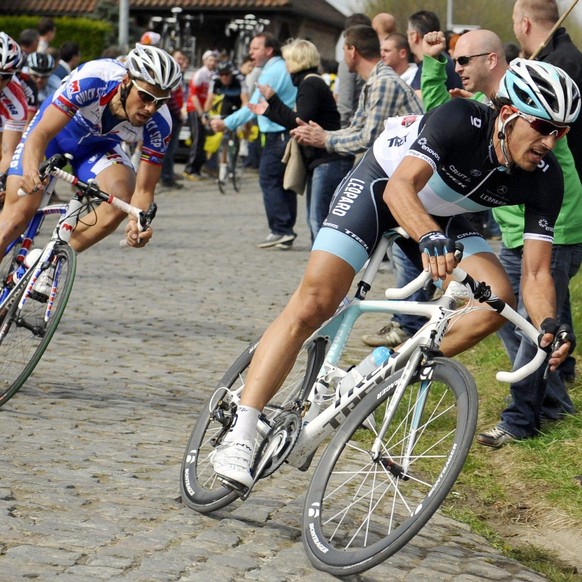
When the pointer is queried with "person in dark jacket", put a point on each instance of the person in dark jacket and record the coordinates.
(315, 102)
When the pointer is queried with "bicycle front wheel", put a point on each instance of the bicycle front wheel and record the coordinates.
(362, 507)
(200, 487)
(26, 332)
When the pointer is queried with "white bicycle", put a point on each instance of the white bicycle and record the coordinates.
(400, 434)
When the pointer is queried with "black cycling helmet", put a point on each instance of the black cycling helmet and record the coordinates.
(224, 67)
(40, 64)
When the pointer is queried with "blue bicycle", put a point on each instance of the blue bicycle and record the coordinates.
(36, 281)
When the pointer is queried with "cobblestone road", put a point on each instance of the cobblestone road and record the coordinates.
(93, 443)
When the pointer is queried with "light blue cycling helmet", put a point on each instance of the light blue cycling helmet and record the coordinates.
(542, 90)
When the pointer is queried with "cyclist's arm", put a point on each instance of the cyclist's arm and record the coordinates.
(537, 284)
(401, 197)
(9, 140)
(538, 290)
(148, 175)
(53, 120)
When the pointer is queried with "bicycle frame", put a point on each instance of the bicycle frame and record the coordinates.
(318, 425)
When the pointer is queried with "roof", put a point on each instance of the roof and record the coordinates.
(319, 10)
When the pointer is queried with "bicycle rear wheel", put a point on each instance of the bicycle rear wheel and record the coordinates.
(359, 509)
(25, 333)
(200, 487)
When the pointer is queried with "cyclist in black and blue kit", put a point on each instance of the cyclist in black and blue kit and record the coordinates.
(422, 173)
(229, 83)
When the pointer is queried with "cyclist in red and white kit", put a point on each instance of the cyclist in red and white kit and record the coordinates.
(13, 103)
(102, 104)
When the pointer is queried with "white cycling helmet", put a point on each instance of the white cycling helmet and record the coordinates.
(154, 66)
(11, 56)
(542, 90)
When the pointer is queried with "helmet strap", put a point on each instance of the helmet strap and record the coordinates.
(502, 136)
(124, 91)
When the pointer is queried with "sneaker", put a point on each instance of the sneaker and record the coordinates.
(193, 177)
(390, 335)
(171, 184)
(285, 246)
(495, 437)
(275, 240)
(232, 461)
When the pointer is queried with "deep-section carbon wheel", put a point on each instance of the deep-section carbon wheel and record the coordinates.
(362, 506)
(200, 487)
(26, 332)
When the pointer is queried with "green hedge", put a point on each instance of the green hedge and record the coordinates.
(92, 35)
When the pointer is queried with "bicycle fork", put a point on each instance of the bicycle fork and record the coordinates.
(413, 364)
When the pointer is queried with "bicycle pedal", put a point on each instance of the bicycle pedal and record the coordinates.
(235, 486)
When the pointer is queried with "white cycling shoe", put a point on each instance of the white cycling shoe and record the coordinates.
(232, 461)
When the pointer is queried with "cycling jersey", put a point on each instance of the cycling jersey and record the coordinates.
(94, 135)
(13, 107)
(456, 141)
(231, 101)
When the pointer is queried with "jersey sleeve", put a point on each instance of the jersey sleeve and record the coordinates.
(156, 137)
(83, 87)
(543, 200)
(452, 127)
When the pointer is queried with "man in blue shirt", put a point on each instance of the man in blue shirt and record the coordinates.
(280, 204)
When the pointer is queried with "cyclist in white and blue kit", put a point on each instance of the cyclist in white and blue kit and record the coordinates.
(422, 173)
(102, 104)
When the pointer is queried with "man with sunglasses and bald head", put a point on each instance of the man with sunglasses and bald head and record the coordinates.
(102, 104)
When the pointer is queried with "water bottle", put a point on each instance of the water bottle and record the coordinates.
(372, 361)
(18, 274)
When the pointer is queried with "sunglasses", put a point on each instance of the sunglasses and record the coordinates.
(147, 97)
(465, 60)
(544, 127)
(6, 76)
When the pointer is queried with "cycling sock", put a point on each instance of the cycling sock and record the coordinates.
(244, 426)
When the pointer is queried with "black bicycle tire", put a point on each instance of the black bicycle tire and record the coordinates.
(193, 492)
(323, 554)
(232, 163)
(63, 253)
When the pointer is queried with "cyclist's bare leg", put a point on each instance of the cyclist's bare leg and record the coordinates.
(473, 327)
(118, 180)
(326, 282)
(16, 213)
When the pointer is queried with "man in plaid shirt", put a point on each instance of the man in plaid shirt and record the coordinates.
(384, 95)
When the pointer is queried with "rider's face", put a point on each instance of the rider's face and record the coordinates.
(139, 110)
(527, 147)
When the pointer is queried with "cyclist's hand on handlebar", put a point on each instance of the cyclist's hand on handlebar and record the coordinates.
(135, 237)
(31, 182)
(437, 252)
(558, 340)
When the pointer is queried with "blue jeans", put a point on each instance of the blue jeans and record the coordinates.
(534, 397)
(280, 204)
(168, 161)
(406, 271)
(321, 184)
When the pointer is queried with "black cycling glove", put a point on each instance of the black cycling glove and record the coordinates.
(435, 244)
(562, 333)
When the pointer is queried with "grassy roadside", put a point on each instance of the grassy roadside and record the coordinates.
(526, 481)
